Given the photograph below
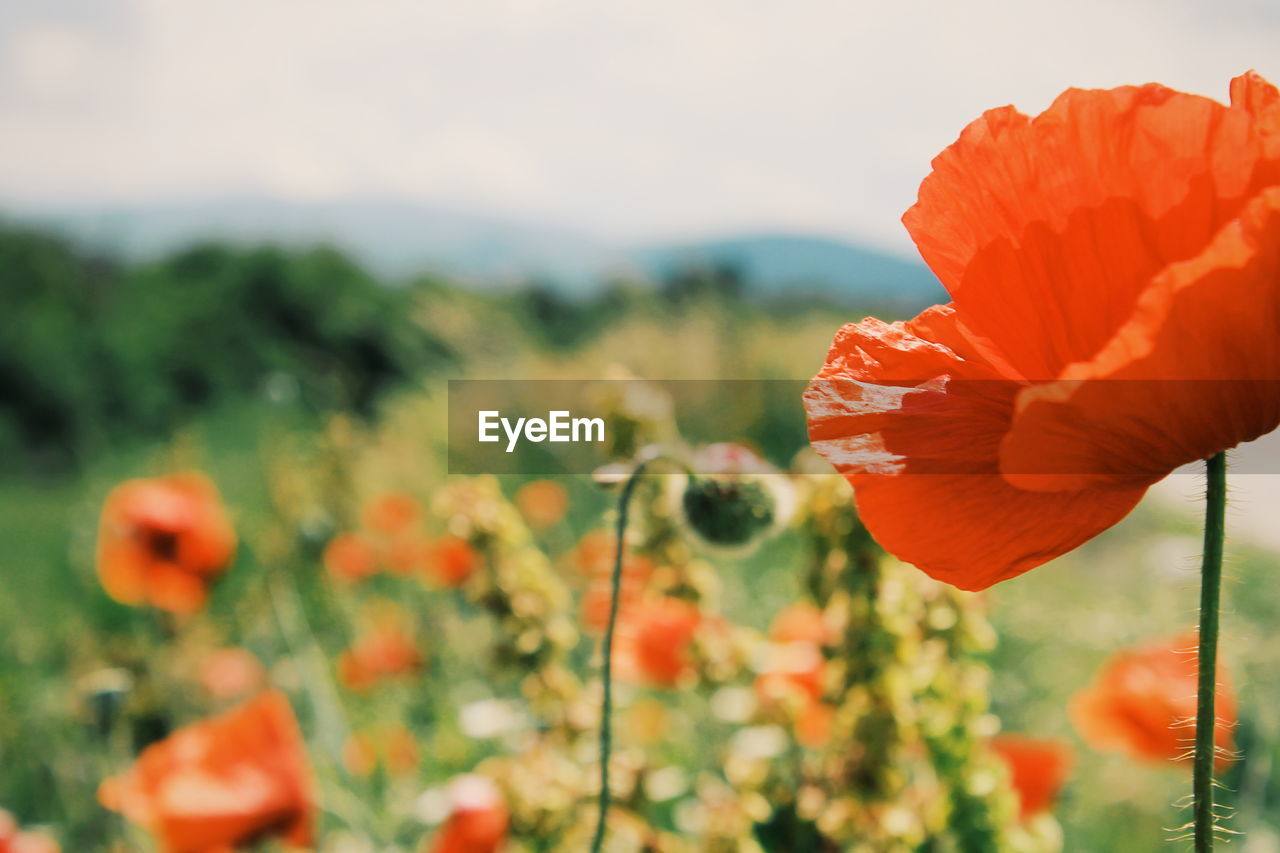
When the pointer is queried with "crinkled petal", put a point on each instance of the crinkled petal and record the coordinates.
(1195, 370)
(1046, 231)
(921, 450)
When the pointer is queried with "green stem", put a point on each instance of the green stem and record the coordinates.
(1206, 714)
(606, 713)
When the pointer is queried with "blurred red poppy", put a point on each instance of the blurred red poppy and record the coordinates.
(385, 652)
(794, 674)
(802, 622)
(161, 541)
(13, 840)
(350, 557)
(360, 754)
(1144, 699)
(652, 643)
(543, 503)
(232, 672)
(477, 821)
(392, 513)
(636, 572)
(450, 560)
(1106, 262)
(222, 782)
(1038, 768)
(402, 752)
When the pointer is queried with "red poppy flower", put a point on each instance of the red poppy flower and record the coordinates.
(636, 572)
(350, 557)
(543, 503)
(392, 513)
(222, 782)
(478, 819)
(450, 560)
(1143, 699)
(232, 672)
(360, 754)
(161, 541)
(652, 643)
(1110, 262)
(402, 751)
(13, 840)
(801, 623)
(384, 653)
(1038, 768)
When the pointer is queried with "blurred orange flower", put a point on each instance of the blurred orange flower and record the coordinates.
(1038, 768)
(392, 513)
(385, 652)
(802, 622)
(12, 840)
(395, 744)
(813, 724)
(477, 821)
(161, 541)
(450, 560)
(1093, 242)
(1143, 700)
(222, 782)
(350, 557)
(232, 672)
(636, 572)
(543, 503)
(359, 754)
(594, 553)
(652, 643)
(401, 749)
(794, 674)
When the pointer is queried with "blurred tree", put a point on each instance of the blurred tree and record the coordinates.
(91, 351)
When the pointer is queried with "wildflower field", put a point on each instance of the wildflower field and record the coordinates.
(431, 643)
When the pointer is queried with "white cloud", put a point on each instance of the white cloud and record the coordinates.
(631, 119)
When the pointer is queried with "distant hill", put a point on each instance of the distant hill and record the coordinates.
(398, 239)
(771, 263)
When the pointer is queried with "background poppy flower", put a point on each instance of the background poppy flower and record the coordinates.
(1142, 700)
(543, 503)
(350, 557)
(392, 513)
(13, 840)
(1038, 768)
(232, 672)
(161, 541)
(221, 782)
(1106, 262)
(652, 644)
(477, 821)
(598, 599)
(450, 560)
(386, 652)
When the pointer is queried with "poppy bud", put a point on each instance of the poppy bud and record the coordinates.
(733, 499)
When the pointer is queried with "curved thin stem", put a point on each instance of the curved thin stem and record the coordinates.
(606, 713)
(1207, 657)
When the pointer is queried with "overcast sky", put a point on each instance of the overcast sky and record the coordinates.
(631, 120)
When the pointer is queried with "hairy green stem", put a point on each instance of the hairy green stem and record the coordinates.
(606, 712)
(1206, 692)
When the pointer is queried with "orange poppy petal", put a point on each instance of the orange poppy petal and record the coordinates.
(1195, 370)
(924, 457)
(172, 588)
(1045, 231)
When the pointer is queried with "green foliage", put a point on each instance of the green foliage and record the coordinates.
(91, 351)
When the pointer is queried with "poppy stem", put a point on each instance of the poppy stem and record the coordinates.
(1207, 657)
(606, 712)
